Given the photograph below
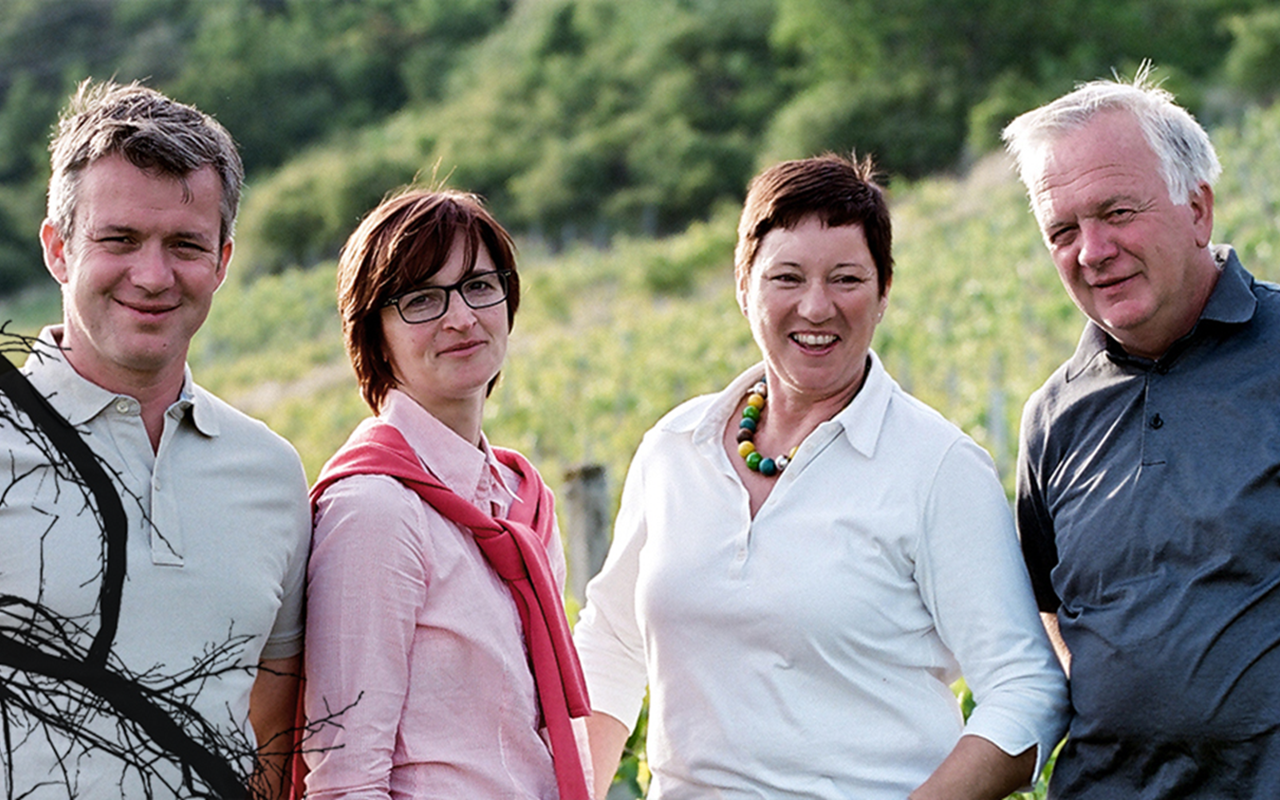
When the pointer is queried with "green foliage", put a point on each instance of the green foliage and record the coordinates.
(916, 81)
(584, 119)
(637, 116)
(304, 212)
(1254, 60)
(285, 74)
(1247, 197)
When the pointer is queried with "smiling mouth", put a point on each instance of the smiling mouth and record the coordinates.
(462, 347)
(815, 340)
(154, 311)
(1107, 284)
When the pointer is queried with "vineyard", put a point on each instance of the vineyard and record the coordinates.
(607, 340)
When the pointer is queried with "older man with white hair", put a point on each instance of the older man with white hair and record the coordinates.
(1148, 497)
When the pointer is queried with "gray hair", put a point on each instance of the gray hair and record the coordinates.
(153, 132)
(1187, 158)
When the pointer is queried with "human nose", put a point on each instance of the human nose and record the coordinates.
(816, 302)
(457, 313)
(151, 270)
(1097, 246)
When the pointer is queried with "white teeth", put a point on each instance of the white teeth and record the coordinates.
(813, 339)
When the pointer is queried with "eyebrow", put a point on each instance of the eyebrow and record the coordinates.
(112, 228)
(1100, 207)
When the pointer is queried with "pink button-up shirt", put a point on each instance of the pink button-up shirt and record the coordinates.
(414, 645)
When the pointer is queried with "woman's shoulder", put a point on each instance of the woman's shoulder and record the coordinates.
(908, 411)
(685, 416)
(922, 435)
(364, 502)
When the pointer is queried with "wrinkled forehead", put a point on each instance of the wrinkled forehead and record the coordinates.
(1105, 159)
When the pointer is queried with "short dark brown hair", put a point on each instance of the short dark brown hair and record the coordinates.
(838, 190)
(398, 246)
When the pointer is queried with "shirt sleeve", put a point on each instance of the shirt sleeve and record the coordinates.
(974, 584)
(608, 637)
(367, 583)
(285, 640)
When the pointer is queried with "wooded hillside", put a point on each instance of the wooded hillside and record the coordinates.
(584, 119)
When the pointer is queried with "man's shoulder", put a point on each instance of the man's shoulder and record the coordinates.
(1046, 401)
(237, 429)
(1268, 294)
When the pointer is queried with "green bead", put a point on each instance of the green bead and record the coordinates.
(753, 461)
(751, 412)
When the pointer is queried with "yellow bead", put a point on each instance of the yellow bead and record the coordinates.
(755, 400)
(746, 448)
(792, 454)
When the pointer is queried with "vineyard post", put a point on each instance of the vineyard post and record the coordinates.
(586, 517)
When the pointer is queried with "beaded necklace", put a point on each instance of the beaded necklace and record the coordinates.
(767, 467)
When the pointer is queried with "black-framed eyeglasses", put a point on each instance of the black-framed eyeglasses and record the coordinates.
(480, 290)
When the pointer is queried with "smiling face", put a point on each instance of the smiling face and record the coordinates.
(1133, 262)
(447, 363)
(813, 299)
(139, 273)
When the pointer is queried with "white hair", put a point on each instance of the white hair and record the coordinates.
(1187, 158)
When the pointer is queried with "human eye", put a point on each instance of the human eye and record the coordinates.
(115, 242)
(188, 249)
(422, 303)
(848, 279)
(1061, 236)
(482, 284)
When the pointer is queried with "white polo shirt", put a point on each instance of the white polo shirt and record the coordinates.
(808, 652)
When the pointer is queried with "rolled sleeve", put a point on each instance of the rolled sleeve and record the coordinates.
(975, 585)
(608, 636)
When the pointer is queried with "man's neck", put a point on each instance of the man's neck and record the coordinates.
(155, 392)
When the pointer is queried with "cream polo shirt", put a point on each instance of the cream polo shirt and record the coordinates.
(218, 528)
(808, 652)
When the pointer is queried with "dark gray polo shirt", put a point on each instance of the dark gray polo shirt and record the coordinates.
(1149, 511)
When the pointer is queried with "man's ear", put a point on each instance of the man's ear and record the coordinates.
(1201, 202)
(55, 251)
(224, 258)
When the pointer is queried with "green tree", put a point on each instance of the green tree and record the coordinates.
(635, 116)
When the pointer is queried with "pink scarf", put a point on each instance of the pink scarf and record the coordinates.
(515, 548)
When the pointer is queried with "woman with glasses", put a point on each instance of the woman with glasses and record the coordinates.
(438, 657)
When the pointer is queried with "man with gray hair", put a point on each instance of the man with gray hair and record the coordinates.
(1148, 497)
(153, 540)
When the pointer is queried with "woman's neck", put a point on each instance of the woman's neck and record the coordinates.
(799, 414)
(463, 416)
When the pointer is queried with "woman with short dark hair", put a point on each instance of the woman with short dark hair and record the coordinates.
(805, 562)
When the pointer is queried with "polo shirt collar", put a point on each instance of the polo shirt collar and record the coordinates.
(1232, 302)
(79, 400)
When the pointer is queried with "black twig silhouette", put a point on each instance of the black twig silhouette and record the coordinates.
(62, 688)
